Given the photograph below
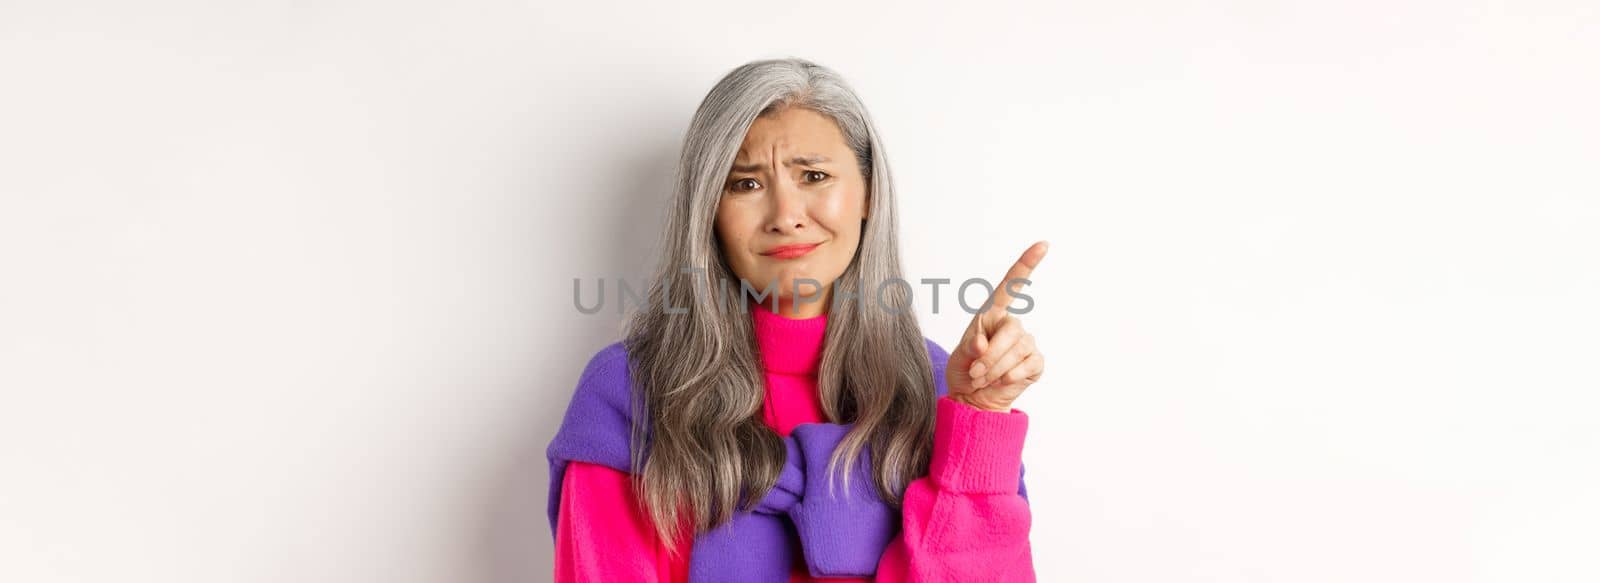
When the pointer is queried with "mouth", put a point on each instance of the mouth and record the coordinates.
(790, 251)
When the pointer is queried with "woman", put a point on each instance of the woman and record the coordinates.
(810, 431)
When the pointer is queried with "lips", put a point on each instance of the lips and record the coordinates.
(790, 251)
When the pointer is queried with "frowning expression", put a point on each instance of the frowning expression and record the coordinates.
(792, 206)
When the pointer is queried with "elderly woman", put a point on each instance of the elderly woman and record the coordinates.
(795, 433)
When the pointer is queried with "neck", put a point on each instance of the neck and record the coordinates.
(800, 306)
(789, 345)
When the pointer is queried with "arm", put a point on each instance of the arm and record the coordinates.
(602, 535)
(966, 521)
(599, 531)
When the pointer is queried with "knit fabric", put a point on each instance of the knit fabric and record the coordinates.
(967, 520)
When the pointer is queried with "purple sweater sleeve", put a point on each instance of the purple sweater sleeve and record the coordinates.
(973, 498)
(843, 531)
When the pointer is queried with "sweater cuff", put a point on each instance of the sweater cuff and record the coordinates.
(977, 451)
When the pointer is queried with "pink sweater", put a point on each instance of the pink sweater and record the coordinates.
(965, 521)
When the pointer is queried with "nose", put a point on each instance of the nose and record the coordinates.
(788, 209)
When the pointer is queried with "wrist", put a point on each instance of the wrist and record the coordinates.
(964, 399)
(975, 450)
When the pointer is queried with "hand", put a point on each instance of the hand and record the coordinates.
(996, 359)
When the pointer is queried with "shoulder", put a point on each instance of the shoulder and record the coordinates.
(596, 424)
(608, 366)
(605, 382)
(937, 355)
(939, 358)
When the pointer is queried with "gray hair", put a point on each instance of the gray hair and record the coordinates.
(700, 384)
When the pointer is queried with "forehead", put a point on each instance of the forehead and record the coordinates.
(793, 128)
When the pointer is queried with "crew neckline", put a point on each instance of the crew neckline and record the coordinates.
(789, 345)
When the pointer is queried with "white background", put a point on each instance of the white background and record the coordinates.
(287, 285)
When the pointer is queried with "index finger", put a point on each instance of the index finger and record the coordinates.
(1020, 270)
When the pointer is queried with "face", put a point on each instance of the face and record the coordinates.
(795, 183)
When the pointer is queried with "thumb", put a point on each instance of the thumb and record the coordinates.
(971, 349)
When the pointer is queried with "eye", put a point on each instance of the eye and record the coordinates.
(740, 185)
(821, 176)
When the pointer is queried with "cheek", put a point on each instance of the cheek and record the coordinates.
(841, 210)
(841, 214)
(735, 229)
(727, 225)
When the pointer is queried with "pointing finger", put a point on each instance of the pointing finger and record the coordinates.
(1020, 270)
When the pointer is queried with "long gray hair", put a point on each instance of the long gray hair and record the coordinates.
(695, 360)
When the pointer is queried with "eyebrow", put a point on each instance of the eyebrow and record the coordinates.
(803, 159)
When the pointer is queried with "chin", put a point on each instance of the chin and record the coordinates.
(787, 284)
